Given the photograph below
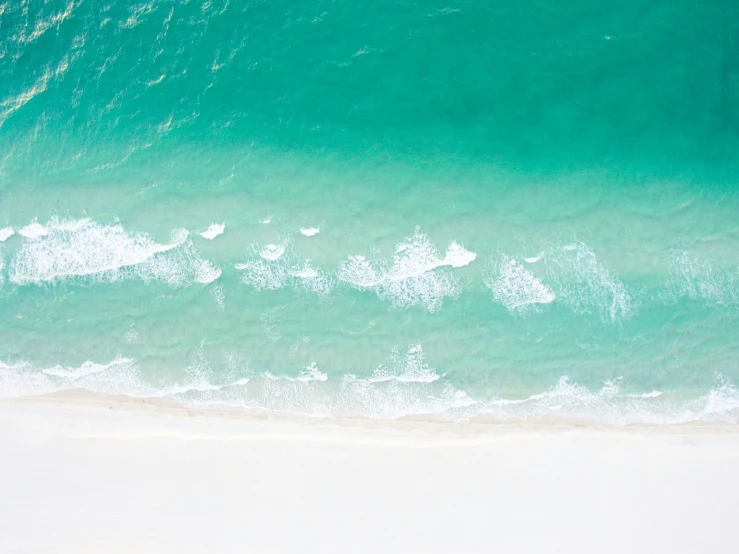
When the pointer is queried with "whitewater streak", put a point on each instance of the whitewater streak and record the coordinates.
(274, 266)
(403, 387)
(85, 250)
(570, 274)
(416, 275)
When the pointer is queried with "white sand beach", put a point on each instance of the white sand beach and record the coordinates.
(108, 476)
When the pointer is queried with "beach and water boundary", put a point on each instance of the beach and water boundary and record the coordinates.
(83, 474)
(368, 277)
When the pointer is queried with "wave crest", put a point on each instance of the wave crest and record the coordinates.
(276, 266)
(390, 393)
(416, 275)
(570, 275)
(87, 250)
(6, 233)
(696, 279)
(581, 282)
(515, 288)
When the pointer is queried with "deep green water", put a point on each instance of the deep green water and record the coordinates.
(526, 209)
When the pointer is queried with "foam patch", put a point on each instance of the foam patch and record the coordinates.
(417, 275)
(92, 252)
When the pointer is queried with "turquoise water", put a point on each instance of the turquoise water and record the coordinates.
(470, 210)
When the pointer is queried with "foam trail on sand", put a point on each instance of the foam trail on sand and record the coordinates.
(416, 275)
(85, 250)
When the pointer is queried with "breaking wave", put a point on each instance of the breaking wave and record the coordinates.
(85, 250)
(410, 368)
(275, 266)
(570, 275)
(405, 386)
(213, 231)
(515, 288)
(699, 280)
(416, 275)
(581, 282)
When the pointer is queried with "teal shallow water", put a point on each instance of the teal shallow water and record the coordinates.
(523, 209)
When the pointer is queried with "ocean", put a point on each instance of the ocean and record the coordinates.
(466, 211)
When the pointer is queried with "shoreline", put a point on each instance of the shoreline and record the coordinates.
(85, 399)
(133, 477)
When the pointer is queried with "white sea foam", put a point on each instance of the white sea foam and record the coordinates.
(653, 394)
(272, 252)
(457, 256)
(266, 220)
(132, 334)
(216, 290)
(571, 275)
(117, 377)
(699, 280)
(6, 233)
(411, 368)
(405, 386)
(205, 272)
(611, 387)
(305, 272)
(276, 266)
(515, 288)
(263, 274)
(310, 231)
(95, 252)
(401, 387)
(308, 278)
(722, 400)
(360, 272)
(213, 231)
(86, 369)
(417, 274)
(33, 231)
(312, 373)
(570, 401)
(581, 282)
(264, 270)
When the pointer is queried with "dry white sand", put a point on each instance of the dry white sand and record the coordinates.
(79, 476)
